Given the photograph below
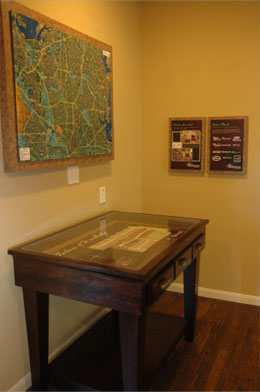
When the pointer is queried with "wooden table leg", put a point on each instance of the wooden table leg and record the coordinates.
(37, 319)
(190, 277)
(132, 340)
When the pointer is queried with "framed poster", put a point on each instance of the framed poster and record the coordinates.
(187, 144)
(227, 144)
(56, 93)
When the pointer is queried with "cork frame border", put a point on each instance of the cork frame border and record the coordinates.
(245, 145)
(7, 95)
(203, 143)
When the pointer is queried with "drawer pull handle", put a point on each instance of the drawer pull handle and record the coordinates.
(199, 247)
(164, 283)
(183, 262)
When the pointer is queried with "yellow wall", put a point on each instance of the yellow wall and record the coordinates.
(35, 203)
(202, 59)
(169, 59)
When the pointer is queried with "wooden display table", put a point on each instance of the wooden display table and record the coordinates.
(123, 261)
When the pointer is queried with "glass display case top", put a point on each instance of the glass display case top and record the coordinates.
(119, 239)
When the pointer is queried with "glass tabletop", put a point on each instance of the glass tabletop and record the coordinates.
(119, 239)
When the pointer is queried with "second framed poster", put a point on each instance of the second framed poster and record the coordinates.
(187, 144)
(227, 144)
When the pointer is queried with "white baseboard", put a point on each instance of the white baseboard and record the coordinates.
(23, 384)
(26, 382)
(219, 294)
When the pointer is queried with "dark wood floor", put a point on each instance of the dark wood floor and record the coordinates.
(225, 355)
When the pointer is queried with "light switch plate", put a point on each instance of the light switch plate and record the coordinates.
(102, 194)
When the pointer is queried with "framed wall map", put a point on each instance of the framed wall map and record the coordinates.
(227, 145)
(56, 93)
(186, 144)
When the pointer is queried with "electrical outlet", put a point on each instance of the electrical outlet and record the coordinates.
(73, 175)
(102, 194)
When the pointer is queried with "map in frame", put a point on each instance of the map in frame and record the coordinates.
(63, 93)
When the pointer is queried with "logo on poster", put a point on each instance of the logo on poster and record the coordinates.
(216, 158)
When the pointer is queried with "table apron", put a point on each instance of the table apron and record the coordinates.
(103, 290)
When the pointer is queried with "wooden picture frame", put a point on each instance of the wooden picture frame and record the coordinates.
(227, 145)
(187, 144)
(56, 93)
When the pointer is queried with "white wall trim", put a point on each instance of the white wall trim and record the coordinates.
(25, 382)
(219, 294)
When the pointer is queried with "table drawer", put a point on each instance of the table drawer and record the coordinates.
(160, 283)
(183, 260)
(198, 246)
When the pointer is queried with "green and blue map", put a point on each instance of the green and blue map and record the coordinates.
(63, 92)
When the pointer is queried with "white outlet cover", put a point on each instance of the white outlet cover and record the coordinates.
(73, 175)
